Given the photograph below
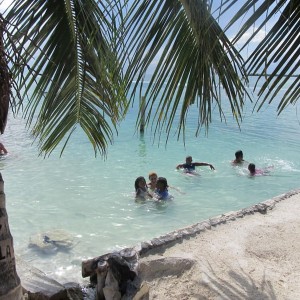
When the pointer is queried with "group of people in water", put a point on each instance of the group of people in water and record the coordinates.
(157, 187)
(239, 160)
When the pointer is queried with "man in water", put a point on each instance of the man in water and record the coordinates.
(189, 165)
(239, 158)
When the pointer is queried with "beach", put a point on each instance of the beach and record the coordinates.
(253, 253)
(254, 256)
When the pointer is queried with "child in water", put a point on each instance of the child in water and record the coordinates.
(152, 184)
(161, 191)
(253, 171)
(141, 190)
(153, 179)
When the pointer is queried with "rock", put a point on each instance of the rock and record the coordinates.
(111, 289)
(163, 267)
(143, 293)
(51, 242)
(37, 286)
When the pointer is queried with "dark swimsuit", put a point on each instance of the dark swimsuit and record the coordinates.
(190, 167)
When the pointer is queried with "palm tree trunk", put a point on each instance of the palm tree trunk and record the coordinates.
(10, 285)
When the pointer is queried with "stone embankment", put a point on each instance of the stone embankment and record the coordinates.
(253, 253)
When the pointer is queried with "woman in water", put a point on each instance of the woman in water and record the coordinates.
(141, 189)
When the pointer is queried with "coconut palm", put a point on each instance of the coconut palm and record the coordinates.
(76, 62)
(65, 60)
(71, 56)
(197, 55)
(280, 48)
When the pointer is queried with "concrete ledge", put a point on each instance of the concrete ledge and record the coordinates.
(159, 244)
(175, 236)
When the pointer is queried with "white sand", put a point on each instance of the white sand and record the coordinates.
(254, 257)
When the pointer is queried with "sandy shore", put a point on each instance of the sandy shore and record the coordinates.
(253, 253)
(256, 256)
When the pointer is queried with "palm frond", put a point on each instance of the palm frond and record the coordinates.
(195, 58)
(69, 68)
(275, 60)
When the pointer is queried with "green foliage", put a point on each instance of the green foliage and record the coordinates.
(77, 61)
(195, 59)
(279, 49)
(68, 64)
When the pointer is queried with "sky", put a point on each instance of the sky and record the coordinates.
(4, 4)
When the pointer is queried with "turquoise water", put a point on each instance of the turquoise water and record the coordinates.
(92, 199)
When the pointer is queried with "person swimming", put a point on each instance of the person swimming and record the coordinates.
(254, 171)
(239, 158)
(190, 166)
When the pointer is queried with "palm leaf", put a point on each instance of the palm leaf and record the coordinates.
(69, 68)
(280, 49)
(195, 58)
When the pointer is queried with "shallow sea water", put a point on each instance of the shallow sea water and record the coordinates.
(92, 199)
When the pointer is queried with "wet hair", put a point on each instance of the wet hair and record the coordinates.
(239, 153)
(152, 174)
(251, 168)
(163, 181)
(136, 183)
(189, 157)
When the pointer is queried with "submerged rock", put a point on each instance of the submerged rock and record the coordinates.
(52, 241)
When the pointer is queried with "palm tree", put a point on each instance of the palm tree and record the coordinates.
(279, 48)
(198, 57)
(79, 58)
(67, 60)
(76, 61)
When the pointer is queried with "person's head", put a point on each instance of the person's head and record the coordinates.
(153, 177)
(251, 168)
(239, 156)
(140, 182)
(162, 183)
(188, 159)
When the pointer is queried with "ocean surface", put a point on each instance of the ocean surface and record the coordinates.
(90, 201)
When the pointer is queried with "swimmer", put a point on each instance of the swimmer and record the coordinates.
(161, 191)
(189, 166)
(141, 189)
(239, 158)
(2, 149)
(253, 171)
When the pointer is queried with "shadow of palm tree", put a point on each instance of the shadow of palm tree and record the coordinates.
(240, 285)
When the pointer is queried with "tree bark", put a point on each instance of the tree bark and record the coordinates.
(10, 285)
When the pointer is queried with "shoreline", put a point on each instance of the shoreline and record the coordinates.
(242, 255)
(252, 253)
